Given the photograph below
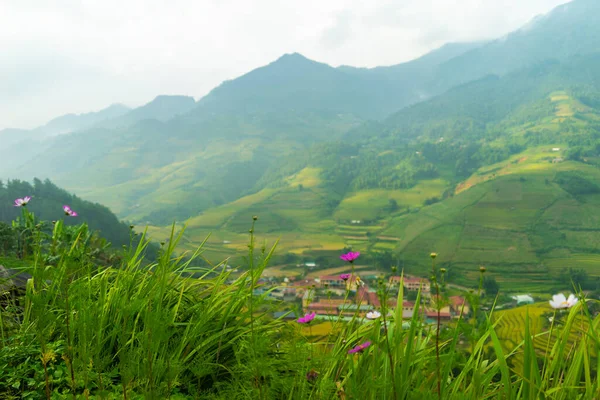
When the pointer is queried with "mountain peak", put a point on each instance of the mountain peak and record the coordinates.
(167, 98)
(293, 57)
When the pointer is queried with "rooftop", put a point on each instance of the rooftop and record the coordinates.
(457, 301)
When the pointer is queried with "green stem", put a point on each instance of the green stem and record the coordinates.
(437, 333)
(69, 344)
(387, 343)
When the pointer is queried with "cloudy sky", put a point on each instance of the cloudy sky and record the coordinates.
(61, 56)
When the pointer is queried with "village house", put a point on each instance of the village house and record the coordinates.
(362, 295)
(284, 293)
(326, 306)
(335, 282)
(307, 297)
(332, 281)
(458, 306)
(432, 315)
(412, 284)
(408, 309)
(349, 310)
(369, 275)
(369, 297)
(304, 283)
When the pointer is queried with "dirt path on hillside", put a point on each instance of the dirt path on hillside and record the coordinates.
(389, 238)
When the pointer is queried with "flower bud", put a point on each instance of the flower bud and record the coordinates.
(433, 255)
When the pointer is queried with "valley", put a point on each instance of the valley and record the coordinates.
(271, 226)
(486, 159)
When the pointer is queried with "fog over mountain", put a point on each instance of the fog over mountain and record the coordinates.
(188, 47)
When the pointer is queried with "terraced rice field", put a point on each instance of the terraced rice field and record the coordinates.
(588, 262)
(511, 331)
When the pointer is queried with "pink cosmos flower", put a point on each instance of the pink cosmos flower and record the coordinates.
(69, 212)
(22, 202)
(307, 318)
(312, 375)
(359, 348)
(350, 257)
(345, 276)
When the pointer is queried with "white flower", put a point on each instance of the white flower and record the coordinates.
(572, 300)
(373, 314)
(560, 301)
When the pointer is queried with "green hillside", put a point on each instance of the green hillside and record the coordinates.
(160, 171)
(516, 193)
(528, 222)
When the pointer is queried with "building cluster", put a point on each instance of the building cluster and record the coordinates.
(347, 296)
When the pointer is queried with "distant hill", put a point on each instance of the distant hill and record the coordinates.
(47, 202)
(163, 170)
(73, 122)
(162, 108)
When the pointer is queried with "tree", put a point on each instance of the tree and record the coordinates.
(392, 205)
(7, 238)
(490, 286)
(579, 278)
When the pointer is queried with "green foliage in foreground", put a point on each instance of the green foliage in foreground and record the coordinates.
(47, 203)
(167, 330)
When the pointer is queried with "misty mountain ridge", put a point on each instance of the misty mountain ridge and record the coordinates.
(245, 127)
(73, 122)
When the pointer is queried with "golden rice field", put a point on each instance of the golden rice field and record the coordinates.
(511, 329)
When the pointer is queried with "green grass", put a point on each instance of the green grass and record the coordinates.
(372, 204)
(587, 262)
(152, 331)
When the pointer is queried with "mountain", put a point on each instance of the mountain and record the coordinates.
(313, 149)
(269, 114)
(498, 172)
(74, 122)
(162, 108)
(294, 82)
(567, 31)
(11, 136)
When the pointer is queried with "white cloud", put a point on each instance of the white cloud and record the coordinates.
(59, 56)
